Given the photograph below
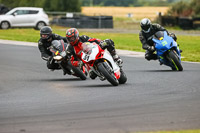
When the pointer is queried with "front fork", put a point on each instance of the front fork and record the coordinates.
(95, 69)
(167, 60)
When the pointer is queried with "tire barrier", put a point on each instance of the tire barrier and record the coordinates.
(85, 21)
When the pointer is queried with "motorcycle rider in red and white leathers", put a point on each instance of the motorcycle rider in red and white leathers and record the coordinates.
(76, 41)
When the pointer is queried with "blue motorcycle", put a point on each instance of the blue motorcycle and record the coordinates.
(167, 50)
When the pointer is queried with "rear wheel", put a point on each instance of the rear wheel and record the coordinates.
(40, 25)
(173, 57)
(105, 70)
(5, 25)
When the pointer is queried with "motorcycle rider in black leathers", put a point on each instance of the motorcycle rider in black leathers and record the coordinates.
(147, 30)
(46, 37)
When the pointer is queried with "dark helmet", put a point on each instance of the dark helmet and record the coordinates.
(46, 32)
(72, 36)
(145, 25)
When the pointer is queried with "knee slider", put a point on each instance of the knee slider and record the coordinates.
(147, 56)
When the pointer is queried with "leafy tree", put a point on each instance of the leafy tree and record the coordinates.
(182, 8)
(49, 5)
(108, 2)
(24, 3)
(62, 5)
(195, 5)
(128, 2)
(178, 8)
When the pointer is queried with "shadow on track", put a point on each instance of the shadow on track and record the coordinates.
(157, 71)
(97, 86)
(101, 85)
(57, 80)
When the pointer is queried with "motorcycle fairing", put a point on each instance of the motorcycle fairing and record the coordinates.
(92, 52)
(58, 46)
(164, 44)
(109, 58)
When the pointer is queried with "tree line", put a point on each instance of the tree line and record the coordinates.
(128, 3)
(75, 5)
(186, 9)
(180, 8)
(48, 5)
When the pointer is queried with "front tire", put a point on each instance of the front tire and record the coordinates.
(5, 25)
(173, 58)
(79, 73)
(104, 69)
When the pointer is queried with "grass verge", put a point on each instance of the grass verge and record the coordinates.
(189, 44)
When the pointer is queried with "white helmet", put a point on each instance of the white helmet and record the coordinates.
(145, 24)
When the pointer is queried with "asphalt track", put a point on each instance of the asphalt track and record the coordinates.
(35, 100)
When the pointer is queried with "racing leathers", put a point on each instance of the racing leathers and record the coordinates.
(46, 54)
(147, 42)
(106, 44)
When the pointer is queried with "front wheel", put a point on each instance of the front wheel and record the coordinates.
(5, 25)
(79, 73)
(173, 58)
(105, 70)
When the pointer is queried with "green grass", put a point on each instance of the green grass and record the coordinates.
(189, 44)
(184, 131)
(126, 23)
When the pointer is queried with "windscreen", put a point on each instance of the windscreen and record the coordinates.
(159, 35)
(87, 47)
(56, 45)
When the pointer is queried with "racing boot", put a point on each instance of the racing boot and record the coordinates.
(51, 70)
(68, 72)
(64, 72)
(181, 50)
(116, 58)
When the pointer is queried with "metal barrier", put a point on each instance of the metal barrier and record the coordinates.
(84, 21)
(183, 22)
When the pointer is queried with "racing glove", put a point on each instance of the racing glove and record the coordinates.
(151, 48)
(103, 44)
(80, 64)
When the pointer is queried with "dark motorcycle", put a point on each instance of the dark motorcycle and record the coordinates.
(60, 56)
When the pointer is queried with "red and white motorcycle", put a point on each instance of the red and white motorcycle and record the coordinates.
(102, 64)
